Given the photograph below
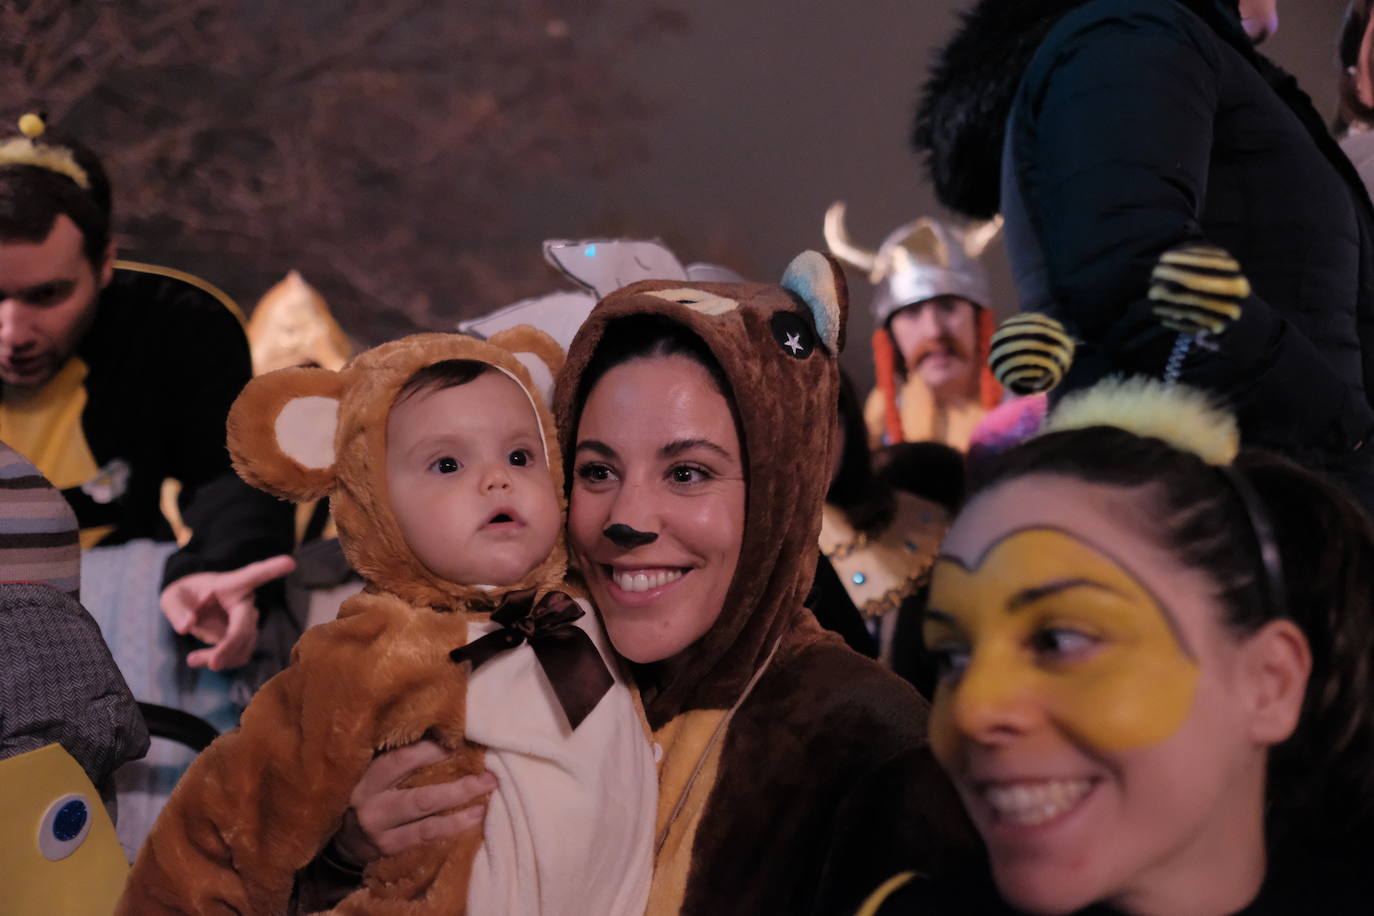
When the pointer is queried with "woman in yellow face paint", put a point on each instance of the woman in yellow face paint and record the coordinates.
(1093, 711)
(1138, 709)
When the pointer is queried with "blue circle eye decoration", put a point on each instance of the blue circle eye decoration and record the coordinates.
(70, 821)
(64, 826)
(792, 334)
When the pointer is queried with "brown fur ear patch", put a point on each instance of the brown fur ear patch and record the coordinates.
(539, 353)
(281, 432)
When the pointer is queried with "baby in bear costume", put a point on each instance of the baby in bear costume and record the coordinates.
(444, 476)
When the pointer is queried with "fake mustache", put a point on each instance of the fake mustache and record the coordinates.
(941, 344)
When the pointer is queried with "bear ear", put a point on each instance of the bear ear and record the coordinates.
(818, 280)
(281, 432)
(538, 352)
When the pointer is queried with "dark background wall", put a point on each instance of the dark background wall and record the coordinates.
(769, 111)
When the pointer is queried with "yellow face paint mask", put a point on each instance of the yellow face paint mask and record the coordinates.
(1046, 622)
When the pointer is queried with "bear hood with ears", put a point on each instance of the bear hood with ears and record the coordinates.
(777, 345)
(301, 434)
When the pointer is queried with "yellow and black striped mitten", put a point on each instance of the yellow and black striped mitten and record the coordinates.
(1197, 290)
(1030, 353)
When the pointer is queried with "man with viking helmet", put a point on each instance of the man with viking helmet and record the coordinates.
(115, 376)
(932, 326)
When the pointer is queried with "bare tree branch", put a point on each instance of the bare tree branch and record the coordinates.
(372, 145)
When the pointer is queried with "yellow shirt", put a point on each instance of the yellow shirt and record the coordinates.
(45, 427)
(922, 419)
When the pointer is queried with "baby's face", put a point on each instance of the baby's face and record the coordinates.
(469, 482)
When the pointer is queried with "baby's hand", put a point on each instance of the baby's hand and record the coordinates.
(383, 820)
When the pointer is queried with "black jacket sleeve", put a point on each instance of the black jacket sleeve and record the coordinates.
(232, 523)
(1113, 170)
(901, 814)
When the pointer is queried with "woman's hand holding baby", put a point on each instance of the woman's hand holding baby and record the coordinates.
(383, 819)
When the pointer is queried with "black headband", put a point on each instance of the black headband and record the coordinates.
(1274, 586)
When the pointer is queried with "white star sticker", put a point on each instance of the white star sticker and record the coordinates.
(794, 343)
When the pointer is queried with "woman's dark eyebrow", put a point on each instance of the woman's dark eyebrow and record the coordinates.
(673, 449)
(938, 615)
(595, 445)
(1028, 596)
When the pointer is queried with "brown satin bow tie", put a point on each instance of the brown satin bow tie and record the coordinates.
(567, 654)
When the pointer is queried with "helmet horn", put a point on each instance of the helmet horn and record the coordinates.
(837, 239)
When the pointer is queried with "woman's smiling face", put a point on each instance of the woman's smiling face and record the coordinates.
(1088, 709)
(657, 454)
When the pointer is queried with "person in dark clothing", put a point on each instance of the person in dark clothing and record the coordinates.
(930, 470)
(1108, 131)
(115, 377)
(1298, 883)
(1355, 117)
(151, 341)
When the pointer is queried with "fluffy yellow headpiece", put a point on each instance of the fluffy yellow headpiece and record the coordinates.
(26, 150)
(1186, 418)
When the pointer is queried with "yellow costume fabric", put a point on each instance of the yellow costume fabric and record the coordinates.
(46, 869)
(686, 776)
(874, 903)
(45, 427)
(922, 419)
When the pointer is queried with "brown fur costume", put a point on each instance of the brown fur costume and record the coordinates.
(819, 785)
(261, 802)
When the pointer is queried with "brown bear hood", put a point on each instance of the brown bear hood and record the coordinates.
(301, 434)
(777, 346)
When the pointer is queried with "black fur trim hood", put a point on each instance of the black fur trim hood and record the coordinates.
(965, 102)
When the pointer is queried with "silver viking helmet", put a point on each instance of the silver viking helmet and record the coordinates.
(918, 261)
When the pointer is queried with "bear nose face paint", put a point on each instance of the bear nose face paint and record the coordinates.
(1047, 630)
